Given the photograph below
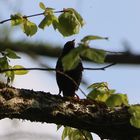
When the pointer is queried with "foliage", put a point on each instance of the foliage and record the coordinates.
(4, 64)
(71, 60)
(101, 92)
(134, 110)
(75, 134)
(69, 22)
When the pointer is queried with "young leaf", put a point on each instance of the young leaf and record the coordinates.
(68, 24)
(65, 133)
(96, 55)
(4, 63)
(135, 112)
(92, 37)
(100, 91)
(11, 54)
(42, 6)
(19, 72)
(71, 60)
(16, 19)
(99, 85)
(78, 16)
(75, 134)
(117, 100)
(47, 21)
(10, 75)
(29, 28)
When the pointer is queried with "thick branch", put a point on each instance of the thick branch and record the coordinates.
(54, 51)
(84, 114)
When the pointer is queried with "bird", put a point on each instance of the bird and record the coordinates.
(68, 81)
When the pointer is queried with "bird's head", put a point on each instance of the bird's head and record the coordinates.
(68, 47)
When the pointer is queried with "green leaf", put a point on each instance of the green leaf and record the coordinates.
(135, 112)
(65, 133)
(75, 134)
(29, 28)
(16, 19)
(96, 55)
(42, 6)
(100, 91)
(10, 75)
(47, 21)
(11, 54)
(99, 85)
(92, 37)
(117, 100)
(78, 16)
(55, 23)
(71, 60)
(19, 72)
(68, 24)
(4, 63)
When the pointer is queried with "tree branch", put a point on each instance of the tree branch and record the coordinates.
(54, 51)
(83, 114)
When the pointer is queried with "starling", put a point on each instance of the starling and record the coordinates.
(64, 79)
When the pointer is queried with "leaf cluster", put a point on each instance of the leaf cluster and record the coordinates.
(83, 50)
(75, 134)
(101, 92)
(5, 57)
(67, 23)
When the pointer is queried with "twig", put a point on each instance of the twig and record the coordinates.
(102, 68)
(34, 15)
(53, 69)
(42, 69)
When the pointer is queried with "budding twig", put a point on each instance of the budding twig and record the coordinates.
(53, 69)
(34, 15)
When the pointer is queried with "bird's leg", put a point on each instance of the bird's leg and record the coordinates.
(76, 97)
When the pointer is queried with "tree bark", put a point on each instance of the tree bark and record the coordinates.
(86, 114)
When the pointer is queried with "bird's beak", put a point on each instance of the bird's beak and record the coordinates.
(73, 40)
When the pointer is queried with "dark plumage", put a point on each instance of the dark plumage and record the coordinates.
(66, 85)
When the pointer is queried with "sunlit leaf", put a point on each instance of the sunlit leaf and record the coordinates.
(135, 112)
(96, 55)
(29, 28)
(92, 37)
(11, 54)
(47, 21)
(100, 91)
(42, 6)
(75, 134)
(65, 133)
(20, 72)
(4, 63)
(68, 24)
(55, 23)
(78, 16)
(99, 85)
(10, 75)
(16, 19)
(71, 60)
(117, 100)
